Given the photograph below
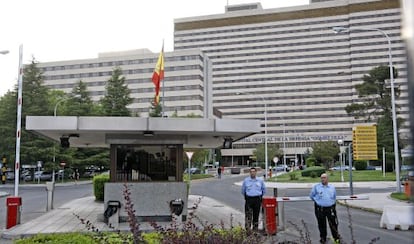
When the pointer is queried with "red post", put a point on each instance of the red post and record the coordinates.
(13, 211)
(269, 206)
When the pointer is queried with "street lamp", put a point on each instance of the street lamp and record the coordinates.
(394, 114)
(341, 142)
(284, 146)
(62, 100)
(265, 121)
(4, 52)
(54, 115)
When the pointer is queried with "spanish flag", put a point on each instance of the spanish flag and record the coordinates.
(158, 75)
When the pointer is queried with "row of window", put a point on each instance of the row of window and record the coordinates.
(310, 57)
(291, 71)
(134, 91)
(306, 35)
(295, 52)
(294, 40)
(299, 23)
(175, 108)
(122, 62)
(124, 72)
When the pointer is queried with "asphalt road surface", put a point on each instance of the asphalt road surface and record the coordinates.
(34, 199)
(299, 216)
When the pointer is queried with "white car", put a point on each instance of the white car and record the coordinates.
(42, 175)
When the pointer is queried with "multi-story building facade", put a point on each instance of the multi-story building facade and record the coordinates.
(186, 88)
(288, 66)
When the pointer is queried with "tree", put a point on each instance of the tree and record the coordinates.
(272, 151)
(325, 153)
(155, 110)
(374, 95)
(117, 97)
(375, 106)
(80, 103)
(35, 102)
(8, 126)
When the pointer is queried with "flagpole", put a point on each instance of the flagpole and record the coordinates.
(163, 83)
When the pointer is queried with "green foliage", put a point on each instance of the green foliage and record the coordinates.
(400, 196)
(325, 153)
(317, 170)
(374, 95)
(83, 104)
(155, 110)
(152, 237)
(272, 151)
(117, 96)
(99, 186)
(198, 158)
(374, 105)
(293, 176)
(59, 238)
(310, 161)
(360, 165)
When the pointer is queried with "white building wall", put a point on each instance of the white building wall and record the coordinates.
(185, 78)
(303, 71)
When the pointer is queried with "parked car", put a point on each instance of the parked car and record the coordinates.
(407, 168)
(42, 175)
(192, 171)
(346, 167)
(370, 167)
(282, 168)
(24, 175)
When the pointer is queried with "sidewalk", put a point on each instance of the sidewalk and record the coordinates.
(63, 219)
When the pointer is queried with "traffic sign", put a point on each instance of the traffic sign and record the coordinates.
(364, 142)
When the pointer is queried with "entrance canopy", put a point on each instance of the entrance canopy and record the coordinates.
(104, 131)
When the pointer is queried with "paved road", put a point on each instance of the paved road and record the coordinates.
(34, 199)
(365, 225)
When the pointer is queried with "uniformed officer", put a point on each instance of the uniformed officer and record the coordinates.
(324, 197)
(253, 189)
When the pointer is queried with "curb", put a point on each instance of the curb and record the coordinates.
(372, 210)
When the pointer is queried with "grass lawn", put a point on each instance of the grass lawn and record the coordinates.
(335, 176)
(197, 176)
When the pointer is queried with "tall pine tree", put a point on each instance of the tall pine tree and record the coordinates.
(117, 97)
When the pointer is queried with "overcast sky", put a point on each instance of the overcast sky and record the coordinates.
(54, 30)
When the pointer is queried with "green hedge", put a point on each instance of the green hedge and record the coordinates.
(360, 165)
(66, 238)
(98, 186)
(314, 171)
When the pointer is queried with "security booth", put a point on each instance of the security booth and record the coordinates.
(146, 155)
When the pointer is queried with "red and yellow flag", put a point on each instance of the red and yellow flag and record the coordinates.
(158, 75)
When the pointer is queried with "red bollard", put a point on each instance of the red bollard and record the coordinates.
(13, 211)
(269, 205)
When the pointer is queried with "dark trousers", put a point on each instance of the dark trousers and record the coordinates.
(323, 213)
(252, 210)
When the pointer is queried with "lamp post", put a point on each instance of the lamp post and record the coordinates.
(54, 148)
(341, 142)
(19, 121)
(284, 146)
(394, 113)
(4, 52)
(265, 121)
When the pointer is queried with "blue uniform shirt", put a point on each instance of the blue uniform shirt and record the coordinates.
(323, 195)
(253, 187)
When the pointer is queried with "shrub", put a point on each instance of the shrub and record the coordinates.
(61, 238)
(360, 165)
(293, 176)
(99, 186)
(316, 169)
(310, 162)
